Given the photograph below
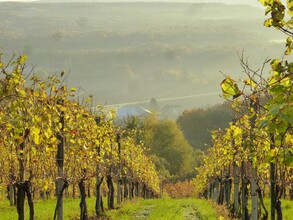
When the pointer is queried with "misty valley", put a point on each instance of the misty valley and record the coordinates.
(131, 52)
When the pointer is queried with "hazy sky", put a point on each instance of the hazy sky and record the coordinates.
(248, 2)
(233, 2)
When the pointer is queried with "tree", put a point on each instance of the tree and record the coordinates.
(196, 124)
(165, 140)
(154, 106)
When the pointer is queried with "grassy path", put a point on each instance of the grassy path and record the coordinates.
(152, 209)
(187, 209)
(156, 209)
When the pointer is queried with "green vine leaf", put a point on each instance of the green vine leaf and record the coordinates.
(230, 88)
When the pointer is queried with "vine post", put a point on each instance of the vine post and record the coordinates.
(254, 195)
(119, 182)
(60, 165)
(99, 180)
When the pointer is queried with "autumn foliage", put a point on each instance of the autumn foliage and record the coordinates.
(37, 116)
(180, 189)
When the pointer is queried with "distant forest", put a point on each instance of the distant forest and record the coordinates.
(197, 124)
(122, 52)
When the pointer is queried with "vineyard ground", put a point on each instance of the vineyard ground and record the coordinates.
(175, 209)
(189, 209)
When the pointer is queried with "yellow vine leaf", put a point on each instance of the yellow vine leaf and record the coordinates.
(230, 88)
(268, 22)
(266, 2)
(21, 60)
(290, 7)
(22, 93)
(35, 133)
(286, 82)
(53, 139)
(249, 82)
(36, 118)
(237, 132)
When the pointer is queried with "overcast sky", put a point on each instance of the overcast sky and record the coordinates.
(247, 2)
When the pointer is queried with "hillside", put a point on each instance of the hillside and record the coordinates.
(124, 52)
